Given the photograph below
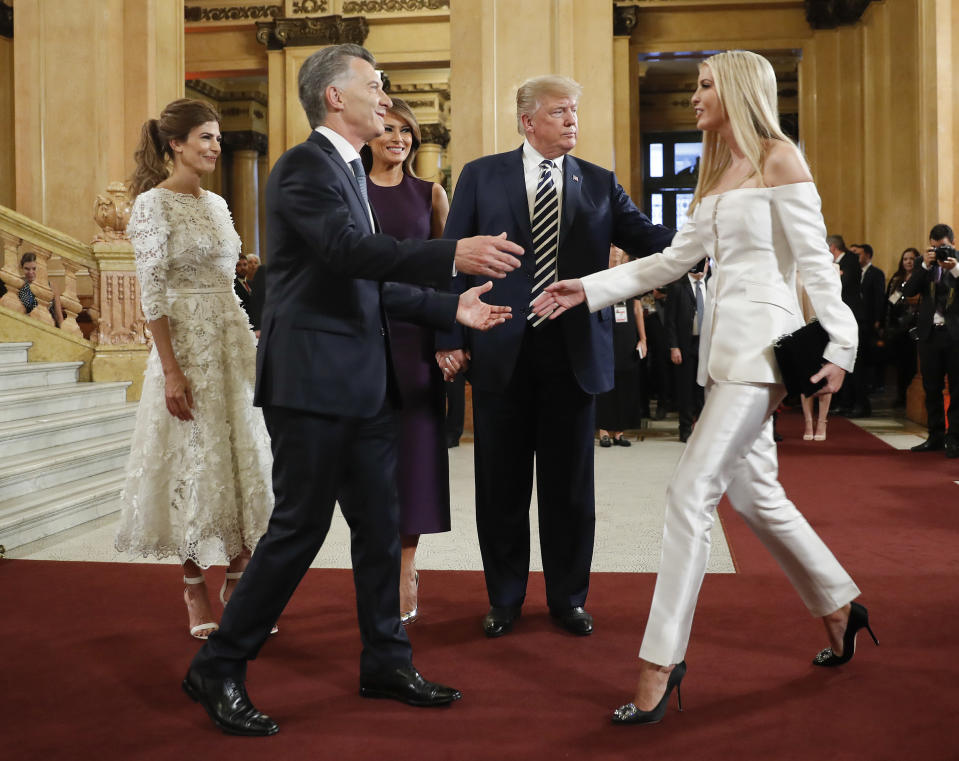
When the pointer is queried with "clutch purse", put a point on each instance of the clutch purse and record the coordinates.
(799, 355)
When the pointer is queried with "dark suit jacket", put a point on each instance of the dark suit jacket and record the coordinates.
(242, 294)
(850, 278)
(680, 313)
(324, 346)
(490, 198)
(872, 288)
(933, 289)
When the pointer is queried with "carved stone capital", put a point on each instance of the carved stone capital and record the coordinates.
(828, 14)
(326, 30)
(435, 133)
(6, 20)
(625, 18)
(212, 91)
(245, 140)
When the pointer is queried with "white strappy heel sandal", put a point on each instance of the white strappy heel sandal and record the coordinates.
(200, 631)
(232, 576)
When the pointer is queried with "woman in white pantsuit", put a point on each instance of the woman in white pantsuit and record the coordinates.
(756, 212)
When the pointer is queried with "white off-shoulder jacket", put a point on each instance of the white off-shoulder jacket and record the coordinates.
(757, 238)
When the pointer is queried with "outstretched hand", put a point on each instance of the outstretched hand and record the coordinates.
(477, 314)
(487, 255)
(559, 297)
(834, 376)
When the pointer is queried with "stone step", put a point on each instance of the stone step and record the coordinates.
(14, 353)
(39, 514)
(74, 463)
(26, 375)
(19, 437)
(21, 404)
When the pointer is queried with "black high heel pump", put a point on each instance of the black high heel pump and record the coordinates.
(858, 619)
(630, 714)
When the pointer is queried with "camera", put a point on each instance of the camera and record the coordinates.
(944, 252)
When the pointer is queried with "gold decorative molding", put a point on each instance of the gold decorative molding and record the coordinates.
(308, 7)
(196, 13)
(325, 30)
(203, 87)
(393, 6)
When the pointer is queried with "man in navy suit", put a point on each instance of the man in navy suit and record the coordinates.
(326, 384)
(683, 322)
(534, 381)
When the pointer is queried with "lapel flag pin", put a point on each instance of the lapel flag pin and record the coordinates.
(575, 178)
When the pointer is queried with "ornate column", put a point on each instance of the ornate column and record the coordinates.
(289, 42)
(244, 198)
(262, 172)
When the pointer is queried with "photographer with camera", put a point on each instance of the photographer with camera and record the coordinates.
(938, 334)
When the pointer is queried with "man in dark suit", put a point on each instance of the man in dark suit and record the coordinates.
(850, 276)
(685, 309)
(872, 295)
(938, 328)
(241, 287)
(327, 388)
(533, 384)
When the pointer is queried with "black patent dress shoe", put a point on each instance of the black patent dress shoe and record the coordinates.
(226, 702)
(684, 434)
(500, 620)
(621, 441)
(952, 448)
(605, 441)
(932, 444)
(407, 685)
(574, 620)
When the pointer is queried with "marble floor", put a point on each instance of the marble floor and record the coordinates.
(630, 488)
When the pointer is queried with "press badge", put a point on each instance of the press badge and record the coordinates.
(619, 312)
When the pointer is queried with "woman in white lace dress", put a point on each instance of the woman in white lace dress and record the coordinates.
(756, 212)
(198, 481)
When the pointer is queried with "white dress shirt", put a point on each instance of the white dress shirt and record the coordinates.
(347, 152)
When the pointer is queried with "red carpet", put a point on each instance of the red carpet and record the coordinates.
(93, 653)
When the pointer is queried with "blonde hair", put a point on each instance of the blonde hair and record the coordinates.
(530, 93)
(745, 84)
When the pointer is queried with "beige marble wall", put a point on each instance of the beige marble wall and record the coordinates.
(496, 44)
(8, 188)
(86, 77)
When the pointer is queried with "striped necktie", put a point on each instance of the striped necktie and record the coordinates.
(545, 235)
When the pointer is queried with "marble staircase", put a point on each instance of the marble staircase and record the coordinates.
(63, 446)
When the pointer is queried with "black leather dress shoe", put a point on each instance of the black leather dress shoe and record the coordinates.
(500, 620)
(407, 685)
(684, 434)
(932, 444)
(227, 703)
(574, 620)
(952, 448)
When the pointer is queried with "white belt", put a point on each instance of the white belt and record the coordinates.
(192, 291)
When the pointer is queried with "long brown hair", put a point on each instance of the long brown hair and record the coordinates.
(153, 151)
(401, 110)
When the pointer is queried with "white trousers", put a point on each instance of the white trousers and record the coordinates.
(732, 451)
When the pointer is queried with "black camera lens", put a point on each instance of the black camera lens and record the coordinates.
(944, 252)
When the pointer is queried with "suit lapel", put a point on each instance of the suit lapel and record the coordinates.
(514, 181)
(572, 188)
(347, 173)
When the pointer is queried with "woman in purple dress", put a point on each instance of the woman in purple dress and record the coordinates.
(407, 207)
